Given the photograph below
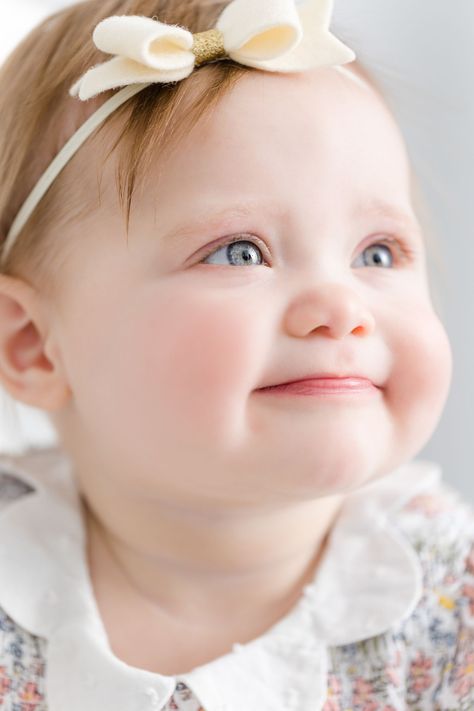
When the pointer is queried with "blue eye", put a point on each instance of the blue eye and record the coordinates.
(240, 252)
(377, 255)
(237, 253)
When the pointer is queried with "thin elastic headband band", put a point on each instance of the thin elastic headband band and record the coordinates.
(62, 159)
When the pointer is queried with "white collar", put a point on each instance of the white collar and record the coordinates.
(368, 580)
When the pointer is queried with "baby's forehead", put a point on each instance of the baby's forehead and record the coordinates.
(284, 129)
(265, 86)
(303, 103)
(282, 137)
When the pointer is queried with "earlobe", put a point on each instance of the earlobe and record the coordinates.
(28, 372)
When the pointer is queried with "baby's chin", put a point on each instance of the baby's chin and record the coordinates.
(314, 459)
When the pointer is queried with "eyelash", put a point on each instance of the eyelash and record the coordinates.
(404, 253)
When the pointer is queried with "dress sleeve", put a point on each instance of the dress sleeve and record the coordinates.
(442, 668)
(22, 655)
(457, 691)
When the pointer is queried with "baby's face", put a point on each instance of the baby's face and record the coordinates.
(167, 340)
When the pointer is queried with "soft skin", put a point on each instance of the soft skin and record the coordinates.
(206, 497)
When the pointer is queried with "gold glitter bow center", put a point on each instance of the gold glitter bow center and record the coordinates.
(208, 46)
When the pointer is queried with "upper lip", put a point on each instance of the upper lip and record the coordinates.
(317, 376)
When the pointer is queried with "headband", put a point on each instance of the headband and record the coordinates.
(272, 35)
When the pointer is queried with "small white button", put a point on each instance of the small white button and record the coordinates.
(152, 696)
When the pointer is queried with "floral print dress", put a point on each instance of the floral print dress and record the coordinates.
(392, 631)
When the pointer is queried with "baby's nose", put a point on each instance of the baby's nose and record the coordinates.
(334, 309)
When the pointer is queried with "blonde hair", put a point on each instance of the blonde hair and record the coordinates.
(38, 116)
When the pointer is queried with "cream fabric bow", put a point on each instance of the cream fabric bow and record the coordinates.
(273, 35)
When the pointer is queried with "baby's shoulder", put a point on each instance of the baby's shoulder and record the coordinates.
(440, 633)
(22, 666)
(439, 523)
(425, 660)
(22, 654)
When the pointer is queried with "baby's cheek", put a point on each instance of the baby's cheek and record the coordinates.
(421, 375)
(200, 370)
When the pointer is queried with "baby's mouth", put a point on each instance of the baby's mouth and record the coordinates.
(324, 385)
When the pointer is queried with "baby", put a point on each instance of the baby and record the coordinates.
(222, 303)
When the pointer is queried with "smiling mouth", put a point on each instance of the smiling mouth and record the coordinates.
(322, 386)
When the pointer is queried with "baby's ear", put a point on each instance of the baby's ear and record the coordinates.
(30, 367)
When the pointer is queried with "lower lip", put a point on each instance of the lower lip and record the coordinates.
(323, 386)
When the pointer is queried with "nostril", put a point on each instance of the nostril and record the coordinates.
(366, 326)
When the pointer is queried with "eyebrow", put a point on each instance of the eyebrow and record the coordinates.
(406, 218)
(214, 218)
(403, 218)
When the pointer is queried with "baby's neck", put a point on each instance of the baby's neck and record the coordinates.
(143, 598)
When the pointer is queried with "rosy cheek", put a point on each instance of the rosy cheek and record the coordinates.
(420, 379)
(197, 357)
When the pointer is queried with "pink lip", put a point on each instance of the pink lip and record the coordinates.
(324, 386)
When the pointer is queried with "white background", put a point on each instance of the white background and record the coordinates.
(423, 55)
